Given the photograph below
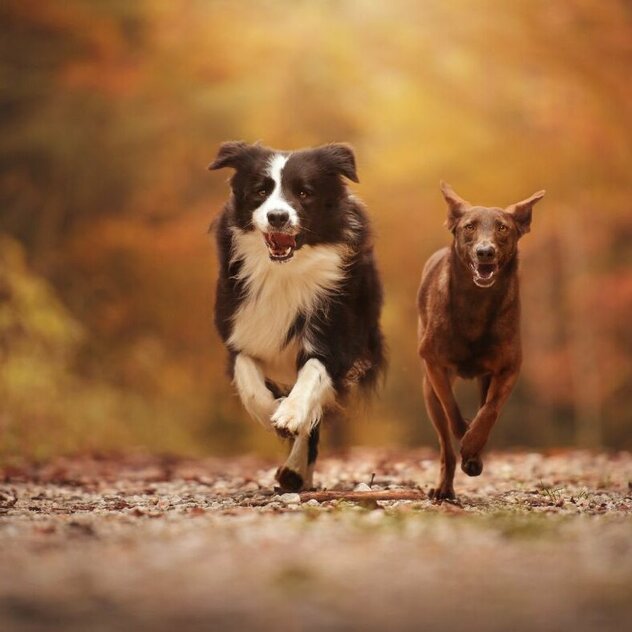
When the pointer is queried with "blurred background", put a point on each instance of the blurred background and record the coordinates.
(111, 111)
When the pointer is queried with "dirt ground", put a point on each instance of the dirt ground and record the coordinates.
(137, 543)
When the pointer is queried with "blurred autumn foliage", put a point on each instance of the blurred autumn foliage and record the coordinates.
(110, 112)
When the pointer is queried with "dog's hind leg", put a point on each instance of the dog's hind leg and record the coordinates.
(298, 471)
(499, 389)
(445, 488)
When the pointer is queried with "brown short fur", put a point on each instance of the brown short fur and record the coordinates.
(469, 325)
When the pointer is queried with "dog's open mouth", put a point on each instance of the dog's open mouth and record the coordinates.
(281, 246)
(484, 274)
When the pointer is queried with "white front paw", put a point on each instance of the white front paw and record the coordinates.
(291, 417)
(261, 408)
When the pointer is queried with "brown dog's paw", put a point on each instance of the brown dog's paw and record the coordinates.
(472, 466)
(289, 480)
(441, 493)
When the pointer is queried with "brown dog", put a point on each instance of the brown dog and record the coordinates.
(469, 325)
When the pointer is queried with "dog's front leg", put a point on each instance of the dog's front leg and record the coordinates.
(477, 434)
(442, 385)
(297, 473)
(445, 488)
(302, 409)
(251, 386)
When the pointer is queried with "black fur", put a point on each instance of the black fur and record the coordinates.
(314, 437)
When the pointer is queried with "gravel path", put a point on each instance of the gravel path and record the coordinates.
(138, 543)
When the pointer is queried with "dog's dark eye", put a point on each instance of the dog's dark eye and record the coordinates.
(502, 228)
(469, 227)
(303, 194)
(262, 192)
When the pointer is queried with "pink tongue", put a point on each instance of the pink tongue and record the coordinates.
(485, 270)
(282, 240)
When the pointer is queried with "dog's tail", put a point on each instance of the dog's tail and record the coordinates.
(373, 368)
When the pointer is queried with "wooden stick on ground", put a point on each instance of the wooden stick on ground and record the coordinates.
(388, 494)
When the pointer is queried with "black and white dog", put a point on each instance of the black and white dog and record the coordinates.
(298, 296)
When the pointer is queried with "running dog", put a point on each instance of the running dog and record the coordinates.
(469, 325)
(299, 296)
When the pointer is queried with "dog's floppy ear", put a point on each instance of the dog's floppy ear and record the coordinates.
(456, 205)
(341, 157)
(521, 212)
(230, 154)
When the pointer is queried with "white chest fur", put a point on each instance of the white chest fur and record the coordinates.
(275, 295)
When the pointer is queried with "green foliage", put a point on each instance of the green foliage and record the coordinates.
(46, 406)
(38, 339)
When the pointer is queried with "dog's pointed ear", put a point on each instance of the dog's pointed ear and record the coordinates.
(230, 154)
(341, 157)
(456, 205)
(521, 212)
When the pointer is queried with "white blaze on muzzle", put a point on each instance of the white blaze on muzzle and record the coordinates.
(276, 201)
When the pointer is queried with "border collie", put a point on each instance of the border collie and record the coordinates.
(298, 296)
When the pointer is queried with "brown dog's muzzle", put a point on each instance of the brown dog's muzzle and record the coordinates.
(484, 265)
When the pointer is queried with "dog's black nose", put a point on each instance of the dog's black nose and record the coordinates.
(278, 219)
(485, 252)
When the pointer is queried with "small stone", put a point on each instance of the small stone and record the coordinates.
(313, 503)
(362, 487)
(290, 499)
